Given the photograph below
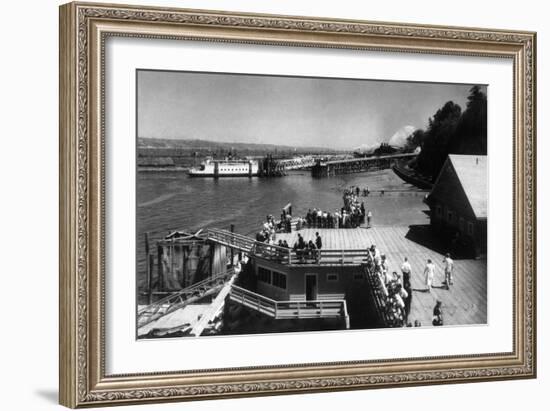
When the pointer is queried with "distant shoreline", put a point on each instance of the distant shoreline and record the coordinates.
(163, 169)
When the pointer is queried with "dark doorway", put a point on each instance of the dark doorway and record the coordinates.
(311, 287)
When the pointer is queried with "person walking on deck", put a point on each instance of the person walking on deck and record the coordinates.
(449, 268)
(384, 270)
(406, 270)
(437, 318)
(299, 247)
(429, 272)
(318, 241)
(369, 219)
(319, 245)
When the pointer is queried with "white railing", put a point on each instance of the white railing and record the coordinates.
(285, 255)
(290, 309)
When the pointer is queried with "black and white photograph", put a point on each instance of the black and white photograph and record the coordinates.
(271, 204)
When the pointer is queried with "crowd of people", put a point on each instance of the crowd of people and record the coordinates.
(308, 250)
(397, 288)
(351, 215)
(305, 249)
(268, 230)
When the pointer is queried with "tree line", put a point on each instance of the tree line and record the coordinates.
(451, 131)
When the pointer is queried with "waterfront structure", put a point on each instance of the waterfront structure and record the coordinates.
(276, 167)
(412, 177)
(184, 259)
(458, 202)
(225, 168)
(336, 288)
(358, 165)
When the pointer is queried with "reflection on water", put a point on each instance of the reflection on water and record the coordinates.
(171, 200)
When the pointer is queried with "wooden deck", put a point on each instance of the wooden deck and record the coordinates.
(464, 303)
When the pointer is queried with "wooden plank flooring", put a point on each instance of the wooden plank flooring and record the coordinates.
(464, 303)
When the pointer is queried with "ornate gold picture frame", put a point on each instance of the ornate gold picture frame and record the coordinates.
(84, 30)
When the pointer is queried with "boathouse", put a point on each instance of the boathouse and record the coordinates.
(458, 202)
(185, 259)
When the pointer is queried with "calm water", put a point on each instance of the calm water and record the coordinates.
(171, 200)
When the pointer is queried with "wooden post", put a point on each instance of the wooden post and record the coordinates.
(184, 274)
(160, 270)
(232, 229)
(289, 256)
(212, 252)
(148, 268)
(172, 257)
(151, 263)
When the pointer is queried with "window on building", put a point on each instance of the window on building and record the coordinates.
(470, 228)
(357, 276)
(332, 277)
(450, 216)
(279, 280)
(264, 275)
(438, 211)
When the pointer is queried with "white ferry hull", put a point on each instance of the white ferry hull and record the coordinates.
(199, 174)
(225, 169)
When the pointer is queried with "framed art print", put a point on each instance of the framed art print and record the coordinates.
(259, 204)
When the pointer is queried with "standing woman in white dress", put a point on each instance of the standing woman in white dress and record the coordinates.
(429, 272)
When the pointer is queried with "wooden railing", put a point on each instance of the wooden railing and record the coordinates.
(381, 297)
(285, 255)
(181, 298)
(290, 309)
(235, 241)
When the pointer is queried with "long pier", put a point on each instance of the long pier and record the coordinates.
(358, 165)
(273, 167)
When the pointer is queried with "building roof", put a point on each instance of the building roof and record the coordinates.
(471, 171)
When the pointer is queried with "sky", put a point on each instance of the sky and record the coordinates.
(291, 111)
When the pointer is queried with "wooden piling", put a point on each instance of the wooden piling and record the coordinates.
(149, 271)
(160, 270)
(150, 276)
(232, 229)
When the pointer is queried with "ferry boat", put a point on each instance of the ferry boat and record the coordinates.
(225, 168)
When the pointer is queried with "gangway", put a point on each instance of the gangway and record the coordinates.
(182, 298)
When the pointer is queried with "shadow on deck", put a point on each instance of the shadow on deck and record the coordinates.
(424, 235)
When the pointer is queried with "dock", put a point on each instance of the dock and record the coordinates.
(358, 164)
(465, 303)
